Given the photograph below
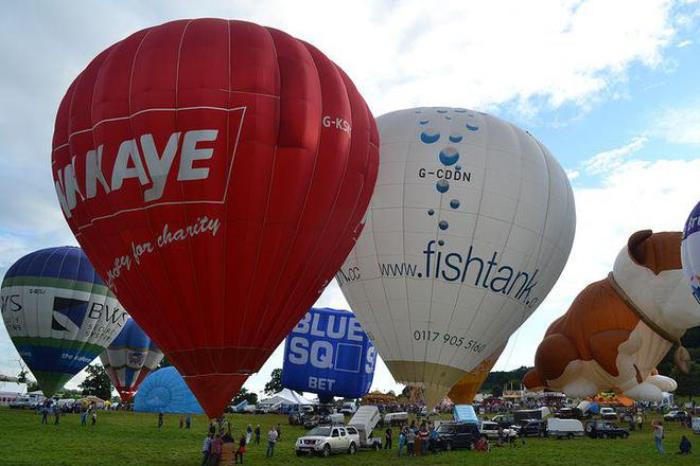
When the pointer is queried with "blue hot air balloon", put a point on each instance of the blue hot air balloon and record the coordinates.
(329, 354)
(59, 313)
(165, 391)
(129, 359)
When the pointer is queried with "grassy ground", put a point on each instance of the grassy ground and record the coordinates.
(123, 439)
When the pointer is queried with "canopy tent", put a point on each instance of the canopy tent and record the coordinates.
(285, 399)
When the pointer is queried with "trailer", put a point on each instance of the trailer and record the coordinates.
(365, 420)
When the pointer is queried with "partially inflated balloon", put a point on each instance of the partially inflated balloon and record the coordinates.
(129, 359)
(216, 173)
(690, 251)
(59, 314)
(469, 228)
(464, 391)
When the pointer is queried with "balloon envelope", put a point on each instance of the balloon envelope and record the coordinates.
(165, 391)
(464, 391)
(329, 354)
(129, 359)
(59, 313)
(216, 173)
(470, 225)
(690, 251)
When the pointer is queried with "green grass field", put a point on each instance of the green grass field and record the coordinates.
(123, 439)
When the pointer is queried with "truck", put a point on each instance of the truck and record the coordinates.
(398, 418)
(349, 408)
(523, 414)
(365, 420)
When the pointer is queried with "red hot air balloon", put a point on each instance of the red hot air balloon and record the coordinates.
(216, 173)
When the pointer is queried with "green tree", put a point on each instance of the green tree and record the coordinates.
(97, 383)
(275, 383)
(22, 376)
(32, 386)
(244, 394)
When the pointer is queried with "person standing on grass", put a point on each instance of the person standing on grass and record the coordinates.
(685, 446)
(241, 449)
(248, 434)
(188, 421)
(411, 441)
(279, 432)
(387, 438)
(257, 434)
(160, 421)
(56, 414)
(182, 421)
(402, 439)
(659, 436)
(94, 417)
(44, 414)
(215, 450)
(423, 434)
(84, 417)
(272, 437)
(206, 448)
(227, 449)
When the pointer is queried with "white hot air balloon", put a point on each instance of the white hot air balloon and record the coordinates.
(469, 227)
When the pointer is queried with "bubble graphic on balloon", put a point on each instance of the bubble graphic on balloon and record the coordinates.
(424, 122)
(458, 167)
(442, 186)
(443, 224)
(429, 136)
(460, 110)
(449, 156)
(456, 137)
(472, 127)
(431, 211)
(454, 203)
(441, 243)
(442, 110)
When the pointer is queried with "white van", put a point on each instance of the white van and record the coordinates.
(564, 428)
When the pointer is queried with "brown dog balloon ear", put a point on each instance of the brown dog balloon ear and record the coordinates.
(657, 253)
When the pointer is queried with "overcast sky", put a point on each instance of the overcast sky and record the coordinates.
(610, 87)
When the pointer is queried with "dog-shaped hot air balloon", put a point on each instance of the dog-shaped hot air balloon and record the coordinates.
(618, 329)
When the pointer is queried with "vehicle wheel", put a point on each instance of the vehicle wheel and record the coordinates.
(377, 446)
(448, 446)
(625, 435)
(570, 436)
(603, 436)
(352, 450)
(326, 451)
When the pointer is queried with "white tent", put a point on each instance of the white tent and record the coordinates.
(284, 398)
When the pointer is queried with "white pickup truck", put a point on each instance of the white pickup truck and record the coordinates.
(492, 431)
(324, 440)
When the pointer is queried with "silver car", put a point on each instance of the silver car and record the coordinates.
(325, 440)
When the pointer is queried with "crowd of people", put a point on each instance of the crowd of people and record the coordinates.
(221, 449)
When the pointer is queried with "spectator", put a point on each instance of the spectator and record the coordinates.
(215, 450)
(411, 441)
(84, 417)
(402, 439)
(44, 414)
(257, 434)
(387, 438)
(659, 437)
(640, 421)
(160, 421)
(188, 421)
(685, 446)
(433, 439)
(272, 437)
(94, 417)
(248, 434)
(279, 432)
(206, 448)
(423, 434)
(56, 414)
(182, 421)
(241, 449)
(228, 447)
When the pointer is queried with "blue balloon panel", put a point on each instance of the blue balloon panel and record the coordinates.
(329, 354)
(165, 391)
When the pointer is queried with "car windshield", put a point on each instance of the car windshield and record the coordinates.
(320, 431)
(443, 429)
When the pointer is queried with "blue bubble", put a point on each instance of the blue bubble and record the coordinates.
(472, 127)
(431, 211)
(429, 136)
(442, 186)
(418, 111)
(441, 243)
(458, 167)
(424, 122)
(443, 225)
(454, 203)
(456, 137)
(449, 156)
(447, 117)
(442, 110)
(460, 110)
